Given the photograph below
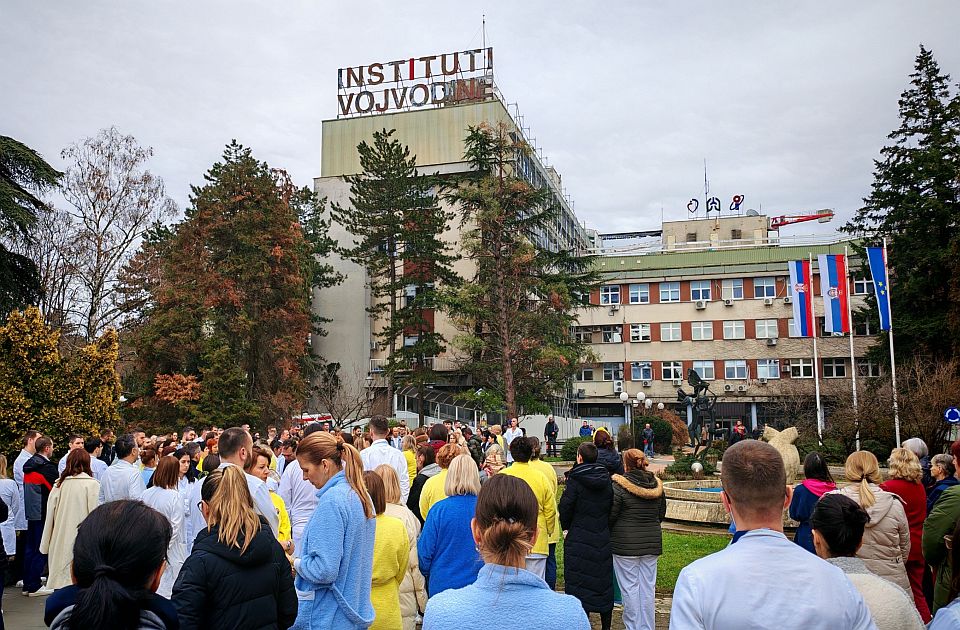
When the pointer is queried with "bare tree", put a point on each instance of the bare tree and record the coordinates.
(345, 397)
(113, 200)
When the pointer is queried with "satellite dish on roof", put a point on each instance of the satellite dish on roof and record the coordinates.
(752, 213)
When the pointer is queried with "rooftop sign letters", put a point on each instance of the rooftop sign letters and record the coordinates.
(434, 80)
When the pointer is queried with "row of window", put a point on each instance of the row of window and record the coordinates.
(730, 289)
(699, 331)
(733, 370)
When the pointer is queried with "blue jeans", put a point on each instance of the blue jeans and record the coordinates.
(33, 560)
(648, 449)
(551, 577)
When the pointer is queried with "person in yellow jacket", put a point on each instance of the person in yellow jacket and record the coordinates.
(522, 451)
(551, 475)
(391, 551)
(410, 454)
(433, 488)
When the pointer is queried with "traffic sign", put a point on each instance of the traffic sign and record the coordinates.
(952, 415)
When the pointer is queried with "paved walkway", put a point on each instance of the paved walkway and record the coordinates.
(22, 613)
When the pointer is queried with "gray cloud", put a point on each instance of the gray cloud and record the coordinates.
(789, 102)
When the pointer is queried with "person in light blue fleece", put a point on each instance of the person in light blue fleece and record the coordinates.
(445, 548)
(335, 567)
(504, 529)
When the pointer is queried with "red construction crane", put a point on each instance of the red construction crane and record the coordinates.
(822, 216)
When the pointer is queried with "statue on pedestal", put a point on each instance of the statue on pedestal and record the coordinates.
(701, 402)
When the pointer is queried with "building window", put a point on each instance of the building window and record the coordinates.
(766, 329)
(585, 374)
(641, 371)
(611, 334)
(610, 294)
(701, 331)
(764, 288)
(410, 340)
(735, 370)
(801, 368)
(700, 290)
(704, 370)
(670, 331)
(691, 237)
(863, 329)
(669, 291)
(583, 334)
(834, 368)
(734, 329)
(768, 368)
(640, 293)
(639, 333)
(863, 286)
(613, 371)
(867, 368)
(732, 289)
(792, 329)
(672, 370)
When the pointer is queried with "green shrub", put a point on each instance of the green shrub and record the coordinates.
(662, 435)
(832, 450)
(874, 446)
(681, 465)
(625, 438)
(568, 452)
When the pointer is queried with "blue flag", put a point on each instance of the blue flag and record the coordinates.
(878, 271)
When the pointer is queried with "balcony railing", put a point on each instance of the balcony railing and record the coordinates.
(438, 364)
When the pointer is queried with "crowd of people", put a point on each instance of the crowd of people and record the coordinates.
(388, 527)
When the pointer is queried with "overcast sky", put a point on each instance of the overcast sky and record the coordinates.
(788, 102)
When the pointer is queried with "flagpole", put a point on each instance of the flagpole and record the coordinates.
(816, 368)
(853, 361)
(893, 363)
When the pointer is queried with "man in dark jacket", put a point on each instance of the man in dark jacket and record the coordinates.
(475, 446)
(584, 514)
(39, 475)
(550, 433)
(648, 440)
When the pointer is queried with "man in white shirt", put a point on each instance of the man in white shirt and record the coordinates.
(380, 452)
(27, 451)
(236, 449)
(74, 442)
(762, 579)
(122, 479)
(510, 435)
(94, 446)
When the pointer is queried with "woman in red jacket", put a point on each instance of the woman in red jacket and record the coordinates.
(905, 482)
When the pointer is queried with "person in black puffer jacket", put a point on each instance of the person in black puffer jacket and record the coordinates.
(639, 506)
(584, 514)
(237, 576)
(607, 454)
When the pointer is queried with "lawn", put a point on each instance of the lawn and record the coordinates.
(679, 550)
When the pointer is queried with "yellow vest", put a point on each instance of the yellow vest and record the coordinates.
(432, 492)
(546, 500)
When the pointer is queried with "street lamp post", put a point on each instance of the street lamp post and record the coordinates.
(625, 399)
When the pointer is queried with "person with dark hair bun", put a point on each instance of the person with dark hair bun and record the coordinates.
(72, 498)
(504, 530)
(817, 483)
(838, 523)
(115, 573)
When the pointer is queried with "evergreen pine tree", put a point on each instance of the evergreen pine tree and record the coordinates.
(914, 203)
(397, 225)
(516, 312)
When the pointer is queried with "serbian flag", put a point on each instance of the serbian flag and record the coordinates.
(801, 279)
(833, 288)
(878, 271)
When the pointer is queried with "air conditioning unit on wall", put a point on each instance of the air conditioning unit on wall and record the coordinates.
(741, 388)
(763, 380)
(646, 383)
(772, 341)
(787, 300)
(617, 387)
(728, 387)
(677, 382)
(728, 302)
(768, 301)
(701, 304)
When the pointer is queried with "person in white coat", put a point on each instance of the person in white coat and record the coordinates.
(381, 452)
(413, 589)
(762, 579)
(164, 498)
(10, 495)
(123, 480)
(72, 498)
(510, 435)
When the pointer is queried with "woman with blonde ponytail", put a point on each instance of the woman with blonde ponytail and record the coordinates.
(886, 539)
(335, 567)
(237, 575)
(504, 530)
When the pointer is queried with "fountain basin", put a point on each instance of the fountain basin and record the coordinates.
(698, 502)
